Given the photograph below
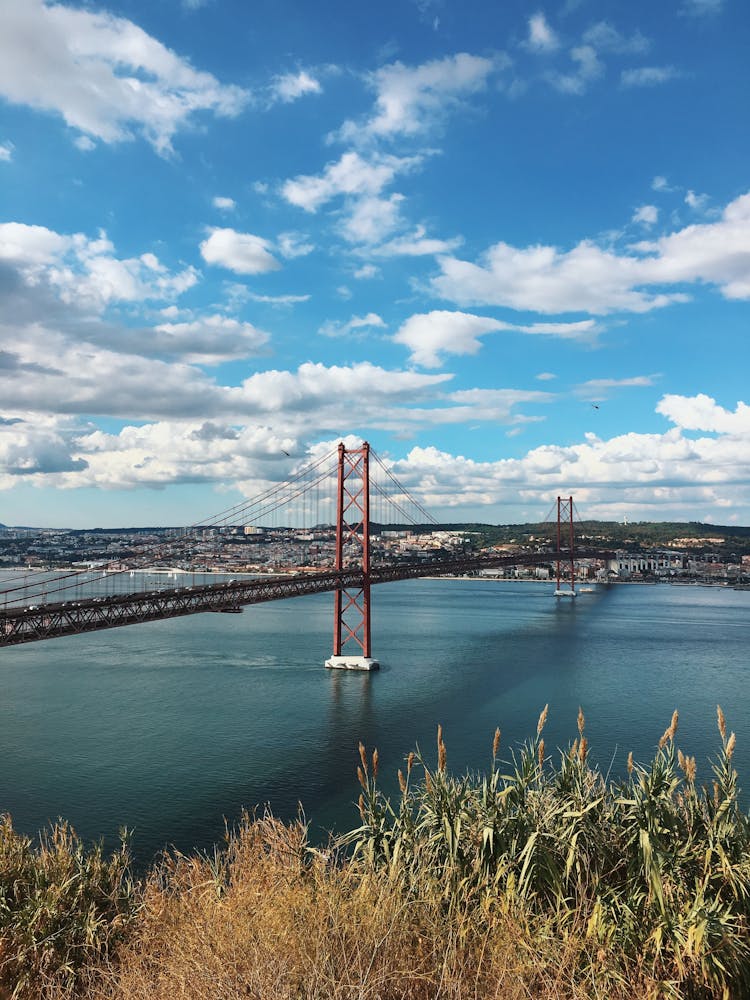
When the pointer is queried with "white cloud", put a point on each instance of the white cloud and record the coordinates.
(277, 300)
(207, 341)
(541, 37)
(660, 184)
(417, 244)
(545, 376)
(84, 271)
(290, 86)
(702, 413)
(647, 476)
(104, 75)
(648, 76)
(411, 100)
(371, 219)
(242, 253)
(291, 245)
(696, 201)
(598, 389)
(6, 152)
(584, 330)
(430, 336)
(351, 175)
(366, 271)
(590, 279)
(224, 204)
(588, 67)
(336, 329)
(648, 215)
(606, 38)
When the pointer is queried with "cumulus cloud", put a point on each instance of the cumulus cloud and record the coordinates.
(351, 175)
(6, 152)
(652, 476)
(703, 413)
(430, 336)
(224, 204)
(372, 219)
(207, 341)
(105, 76)
(412, 100)
(85, 271)
(33, 445)
(291, 86)
(242, 253)
(590, 279)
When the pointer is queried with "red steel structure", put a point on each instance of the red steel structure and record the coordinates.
(351, 617)
(565, 526)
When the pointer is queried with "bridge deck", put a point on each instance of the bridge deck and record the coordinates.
(51, 620)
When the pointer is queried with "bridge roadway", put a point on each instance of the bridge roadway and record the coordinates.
(51, 620)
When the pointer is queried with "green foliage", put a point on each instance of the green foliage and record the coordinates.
(634, 536)
(61, 908)
(653, 871)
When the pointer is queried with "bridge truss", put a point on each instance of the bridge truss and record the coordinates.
(34, 609)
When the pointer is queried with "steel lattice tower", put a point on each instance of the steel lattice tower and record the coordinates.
(565, 526)
(351, 613)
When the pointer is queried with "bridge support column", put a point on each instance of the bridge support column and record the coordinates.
(351, 610)
(565, 526)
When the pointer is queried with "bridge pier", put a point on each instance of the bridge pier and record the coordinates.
(352, 663)
(351, 612)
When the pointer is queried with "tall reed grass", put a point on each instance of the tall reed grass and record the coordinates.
(538, 879)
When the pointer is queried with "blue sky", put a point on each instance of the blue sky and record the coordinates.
(507, 243)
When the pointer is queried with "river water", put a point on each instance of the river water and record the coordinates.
(170, 728)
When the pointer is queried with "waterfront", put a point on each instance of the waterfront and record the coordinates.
(169, 727)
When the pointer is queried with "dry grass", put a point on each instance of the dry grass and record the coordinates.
(274, 921)
(544, 882)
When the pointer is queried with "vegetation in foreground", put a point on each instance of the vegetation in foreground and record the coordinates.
(538, 880)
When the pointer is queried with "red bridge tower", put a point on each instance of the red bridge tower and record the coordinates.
(351, 610)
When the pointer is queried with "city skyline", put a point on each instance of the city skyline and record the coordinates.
(509, 247)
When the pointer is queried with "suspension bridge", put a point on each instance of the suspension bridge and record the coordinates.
(353, 486)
